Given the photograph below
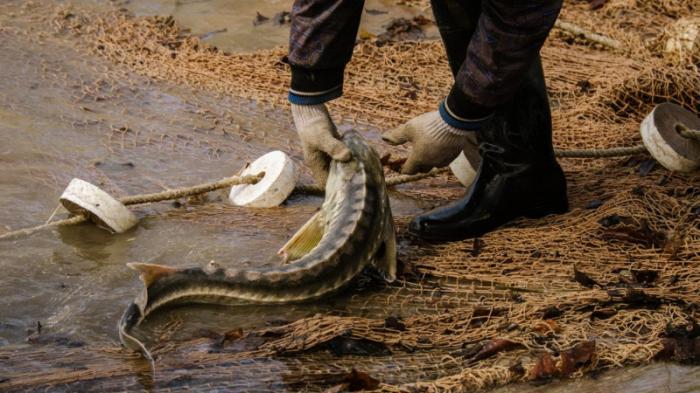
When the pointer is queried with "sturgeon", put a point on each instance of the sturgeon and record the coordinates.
(353, 230)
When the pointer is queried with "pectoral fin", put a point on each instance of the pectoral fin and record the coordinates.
(304, 240)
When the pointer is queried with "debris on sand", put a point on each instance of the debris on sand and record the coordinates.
(355, 381)
(212, 33)
(372, 11)
(547, 366)
(259, 19)
(402, 29)
(344, 345)
(681, 343)
(281, 18)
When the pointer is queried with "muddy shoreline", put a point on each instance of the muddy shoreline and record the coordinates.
(150, 105)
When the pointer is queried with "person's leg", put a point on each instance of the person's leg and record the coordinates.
(456, 21)
(518, 176)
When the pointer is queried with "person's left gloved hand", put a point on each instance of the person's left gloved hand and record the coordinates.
(435, 143)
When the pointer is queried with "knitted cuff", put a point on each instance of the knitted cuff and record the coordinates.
(305, 114)
(460, 112)
(311, 87)
(460, 123)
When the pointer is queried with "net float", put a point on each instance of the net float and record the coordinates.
(273, 189)
(84, 198)
(670, 133)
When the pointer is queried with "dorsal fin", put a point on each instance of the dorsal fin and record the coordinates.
(150, 272)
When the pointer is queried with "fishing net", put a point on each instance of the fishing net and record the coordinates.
(613, 282)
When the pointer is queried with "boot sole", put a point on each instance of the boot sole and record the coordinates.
(537, 212)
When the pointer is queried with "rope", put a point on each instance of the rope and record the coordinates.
(144, 198)
(588, 35)
(312, 189)
(28, 231)
(401, 179)
(316, 190)
(189, 191)
(686, 132)
(601, 153)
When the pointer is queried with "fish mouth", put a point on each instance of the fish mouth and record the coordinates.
(132, 317)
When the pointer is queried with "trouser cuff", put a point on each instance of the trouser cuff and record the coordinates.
(311, 87)
(460, 109)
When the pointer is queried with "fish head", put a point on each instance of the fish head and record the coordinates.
(136, 311)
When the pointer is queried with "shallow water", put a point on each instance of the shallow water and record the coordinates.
(65, 278)
(229, 25)
(64, 116)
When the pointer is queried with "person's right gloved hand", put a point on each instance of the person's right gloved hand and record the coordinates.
(435, 143)
(319, 139)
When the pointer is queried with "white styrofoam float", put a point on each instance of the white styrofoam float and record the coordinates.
(463, 170)
(661, 136)
(81, 197)
(273, 189)
(466, 164)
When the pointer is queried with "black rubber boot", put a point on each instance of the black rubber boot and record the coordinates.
(518, 176)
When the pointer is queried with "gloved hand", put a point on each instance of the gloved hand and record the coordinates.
(319, 139)
(435, 143)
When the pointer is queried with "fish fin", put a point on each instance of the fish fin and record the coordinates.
(150, 272)
(304, 240)
(385, 259)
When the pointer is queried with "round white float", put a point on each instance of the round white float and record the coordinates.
(660, 134)
(273, 189)
(81, 197)
(466, 164)
(463, 170)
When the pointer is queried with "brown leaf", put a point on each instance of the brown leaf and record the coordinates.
(345, 345)
(402, 29)
(393, 164)
(583, 278)
(576, 357)
(546, 326)
(220, 341)
(544, 368)
(360, 380)
(681, 342)
(551, 312)
(645, 276)
(683, 350)
(674, 244)
(233, 335)
(392, 322)
(640, 233)
(603, 313)
(596, 4)
(492, 347)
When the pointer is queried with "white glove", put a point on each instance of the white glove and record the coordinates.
(435, 143)
(319, 139)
